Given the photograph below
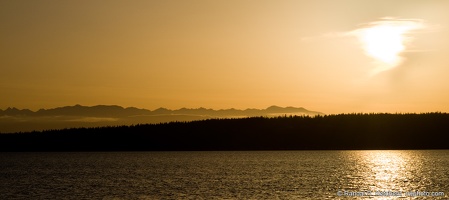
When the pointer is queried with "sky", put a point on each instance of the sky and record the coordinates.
(330, 56)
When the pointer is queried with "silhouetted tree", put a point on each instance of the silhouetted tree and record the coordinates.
(343, 131)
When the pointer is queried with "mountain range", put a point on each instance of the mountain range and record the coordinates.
(18, 120)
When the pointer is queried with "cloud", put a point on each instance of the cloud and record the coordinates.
(384, 40)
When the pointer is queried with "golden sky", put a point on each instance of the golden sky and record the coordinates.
(330, 56)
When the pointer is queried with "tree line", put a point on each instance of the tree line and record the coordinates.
(322, 132)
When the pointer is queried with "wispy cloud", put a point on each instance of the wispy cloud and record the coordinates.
(384, 40)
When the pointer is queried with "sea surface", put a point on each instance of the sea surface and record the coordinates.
(420, 174)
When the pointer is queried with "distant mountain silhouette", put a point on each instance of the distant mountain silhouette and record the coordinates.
(78, 110)
(16, 120)
(16, 112)
(118, 111)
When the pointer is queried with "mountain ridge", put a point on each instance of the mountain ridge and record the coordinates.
(119, 111)
(20, 120)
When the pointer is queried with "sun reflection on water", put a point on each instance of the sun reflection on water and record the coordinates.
(387, 171)
(388, 168)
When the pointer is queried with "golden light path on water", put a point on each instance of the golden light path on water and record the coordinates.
(388, 174)
(386, 39)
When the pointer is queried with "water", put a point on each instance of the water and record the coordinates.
(222, 175)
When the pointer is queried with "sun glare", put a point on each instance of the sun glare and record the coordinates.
(385, 40)
(384, 43)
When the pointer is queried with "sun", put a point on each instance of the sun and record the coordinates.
(385, 40)
(384, 43)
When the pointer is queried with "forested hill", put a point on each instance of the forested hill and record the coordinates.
(345, 131)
